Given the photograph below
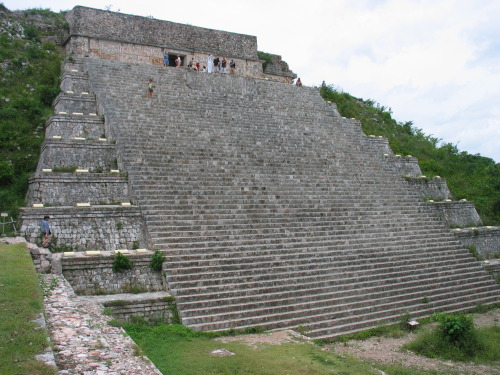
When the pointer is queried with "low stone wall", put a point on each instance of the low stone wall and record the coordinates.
(160, 311)
(437, 189)
(486, 240)
(87, 228)
(69, 127)
(84, 154)
(457, 213)
(63, 189)
(93, 274)
(75, 103)
(406, 165)
(75, 82)
(382, 144)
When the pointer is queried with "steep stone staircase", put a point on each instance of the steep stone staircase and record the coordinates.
(273, 210)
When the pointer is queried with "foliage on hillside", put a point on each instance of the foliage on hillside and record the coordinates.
(472, 177)
(29, 74)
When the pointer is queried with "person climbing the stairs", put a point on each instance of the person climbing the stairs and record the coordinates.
(151, 87)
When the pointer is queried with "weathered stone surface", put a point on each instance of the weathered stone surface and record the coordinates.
(459, 213)
(87, 228)
(90, 275)
(143, 31)
(83, 341)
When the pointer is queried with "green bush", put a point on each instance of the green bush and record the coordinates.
(6, 172)
(121, 263)
(31, 33)
(156, 263)
(455, 338)
(456, 328)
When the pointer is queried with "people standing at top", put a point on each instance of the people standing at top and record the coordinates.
(232, 66)
(178, 61)
(216, 65)
(210, 63)
(165, 59)
(223, 65)
(46, 232)
(298, 83)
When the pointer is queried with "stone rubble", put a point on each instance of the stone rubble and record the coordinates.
(84, 343)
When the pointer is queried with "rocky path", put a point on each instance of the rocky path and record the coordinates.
(84, 343)
(388, 351)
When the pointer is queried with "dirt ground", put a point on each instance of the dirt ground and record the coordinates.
(384, 350)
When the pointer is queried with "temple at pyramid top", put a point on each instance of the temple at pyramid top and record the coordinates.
(128, 38)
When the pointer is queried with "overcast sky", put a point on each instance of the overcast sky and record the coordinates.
(434, 62)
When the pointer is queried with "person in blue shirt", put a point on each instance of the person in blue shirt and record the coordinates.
(46, 233)
(165, 59)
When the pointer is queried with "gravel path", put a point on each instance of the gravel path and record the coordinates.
(387, 351)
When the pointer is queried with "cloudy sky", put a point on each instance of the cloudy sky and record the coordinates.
(433, 62)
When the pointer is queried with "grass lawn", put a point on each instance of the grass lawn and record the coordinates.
(177, 350)
(21, 300)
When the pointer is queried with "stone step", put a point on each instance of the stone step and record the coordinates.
(419, 310)
(272, 277)
(337, 305)
(347, 283)
(377, 309)
(344, 262)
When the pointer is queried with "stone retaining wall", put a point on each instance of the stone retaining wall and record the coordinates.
(437, 189)
(76, 102)
(69, 127)
(84, 154)
(87, 228)
(407, 166)
(75, 82)
(458, 213)
(93, 275)
(150, 310)
(486, 240)
(61, 189)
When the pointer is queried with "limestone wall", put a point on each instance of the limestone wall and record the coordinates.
(112, 26)
(149, 310)
(65, 127)
(437, 189)
(460, 213)
(77, 84)
(75, 103)
(486, 240)
(91, 155)
(127, 38)
(91, 275)
(84, 46)
(87, 228)
(60, 189)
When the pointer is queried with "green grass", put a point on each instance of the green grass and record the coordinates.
(177, 350)
(21, 299)
(483, 346)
